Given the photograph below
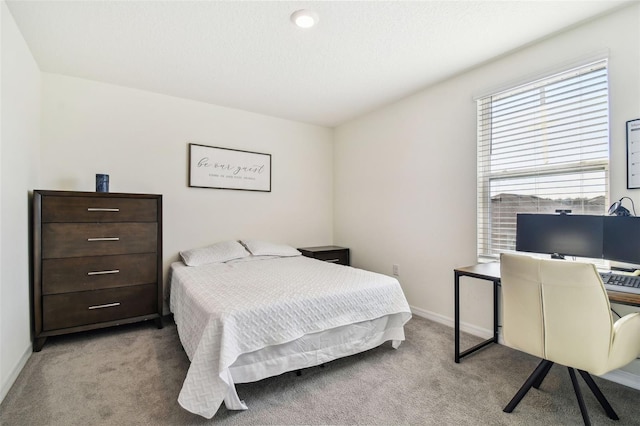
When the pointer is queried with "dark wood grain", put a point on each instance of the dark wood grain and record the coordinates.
(333, 254)
(74, 309)
(97, 272)
(65, 261)
(74, 239)
(83, 209)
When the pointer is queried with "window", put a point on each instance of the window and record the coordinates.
(542, 147)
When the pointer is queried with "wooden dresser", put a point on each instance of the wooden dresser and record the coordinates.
(97, 261)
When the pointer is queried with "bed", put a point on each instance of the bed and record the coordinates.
(249, 311)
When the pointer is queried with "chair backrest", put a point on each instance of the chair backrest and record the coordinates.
(556, 310)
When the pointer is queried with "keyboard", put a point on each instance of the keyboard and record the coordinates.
(622, 283)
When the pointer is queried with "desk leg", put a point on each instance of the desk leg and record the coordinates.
(456, 314)
(458, 355)
(496, 284)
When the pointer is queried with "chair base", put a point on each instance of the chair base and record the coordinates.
(541, 371)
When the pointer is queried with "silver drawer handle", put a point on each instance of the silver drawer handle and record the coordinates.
(114, 271)
(108, 305)
(99, 209)
(104, 239)
(333, 260)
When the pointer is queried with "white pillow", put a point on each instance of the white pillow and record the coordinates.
(216, 253)
(265, 248)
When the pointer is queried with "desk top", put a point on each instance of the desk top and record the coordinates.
(491, 271)
(630, 299)
(486, 271)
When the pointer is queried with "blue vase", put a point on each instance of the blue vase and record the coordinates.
(102, 183)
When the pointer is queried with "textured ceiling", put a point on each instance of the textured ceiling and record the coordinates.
(248, 55)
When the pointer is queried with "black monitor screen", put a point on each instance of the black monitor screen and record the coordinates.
(622, 239)
(562, 234)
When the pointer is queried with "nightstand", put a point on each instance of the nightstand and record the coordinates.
(333, 254)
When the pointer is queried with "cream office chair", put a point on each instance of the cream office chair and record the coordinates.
(559, 311)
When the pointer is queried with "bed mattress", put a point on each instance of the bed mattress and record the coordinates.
(233, 317)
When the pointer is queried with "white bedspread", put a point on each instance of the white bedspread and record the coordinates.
(225, 310)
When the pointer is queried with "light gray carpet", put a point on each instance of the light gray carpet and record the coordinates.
(132, 375)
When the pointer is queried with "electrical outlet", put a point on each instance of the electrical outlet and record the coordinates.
(396, 270)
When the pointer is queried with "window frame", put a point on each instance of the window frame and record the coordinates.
(485, 176)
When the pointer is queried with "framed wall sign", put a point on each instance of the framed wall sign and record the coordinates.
(224, 168)
(633, 153)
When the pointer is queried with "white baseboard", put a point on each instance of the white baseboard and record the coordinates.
(624, 378)
(618, 376)
(465, 327)
(6, 386)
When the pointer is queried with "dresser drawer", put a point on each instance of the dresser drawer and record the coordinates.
(98, 209)
(96, 239)
(92, 273)
(90, 307)
(333, 256)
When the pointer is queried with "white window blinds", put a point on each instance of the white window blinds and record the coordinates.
(542, 147)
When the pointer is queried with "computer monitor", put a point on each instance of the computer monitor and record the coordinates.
(560, 234)
(622, 239)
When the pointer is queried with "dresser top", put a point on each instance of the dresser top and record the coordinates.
(57, 193)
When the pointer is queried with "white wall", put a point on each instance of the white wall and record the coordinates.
(20, 109)
(141, 140)
(405, 175)
(403, 182)
(59, 131)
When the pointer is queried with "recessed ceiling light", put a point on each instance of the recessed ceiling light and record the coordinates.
(304, 18)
